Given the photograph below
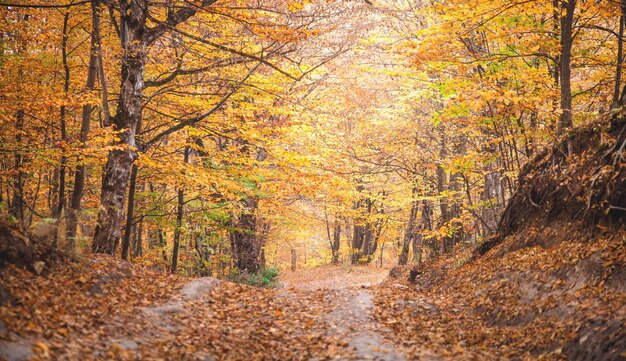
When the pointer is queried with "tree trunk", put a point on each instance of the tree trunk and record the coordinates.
(567, 20)
(294, 258)
(179, 216)
(246, 247)
(409, 233)
(62, 120)
(128, 115)
(620, 56)
(17, 203)
(130, 211)
(442, 185)
(139, 240)
(619, 61)
(336, 240)
(79, 173)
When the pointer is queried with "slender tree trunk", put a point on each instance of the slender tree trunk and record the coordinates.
(336, 240)
(617, 97)
(139, 240)
(567, 20)
(62, 115)
(409, 233)
(179, 216)
(442, 185)
(17, 203)
(179, 224)
(619, 62)
(79, 174)
(130, 211)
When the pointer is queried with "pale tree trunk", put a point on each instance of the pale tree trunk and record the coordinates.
(128, 114)
(135, 37)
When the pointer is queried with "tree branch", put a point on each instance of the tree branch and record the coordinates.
(43, 6)
(194, 120)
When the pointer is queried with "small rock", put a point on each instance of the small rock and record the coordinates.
(168, 308)
(127, 344)
(16, 351)
(198, 288)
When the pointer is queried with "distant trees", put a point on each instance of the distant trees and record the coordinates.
(175, 71)
(219, 120)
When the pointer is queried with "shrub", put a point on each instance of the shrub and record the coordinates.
(265, 278)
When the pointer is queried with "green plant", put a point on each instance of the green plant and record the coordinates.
(265, 278)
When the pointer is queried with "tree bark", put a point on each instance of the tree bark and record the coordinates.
(179, 217)
(409, 233)
(442, 185)
(17, 203)
(618, 98)
(130, 211)
(245, 245)
(567, 20)
(62, 120)
(79, 173)
(128, 114)
(336, 241)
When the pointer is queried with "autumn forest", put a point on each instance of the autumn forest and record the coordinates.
(312, 180)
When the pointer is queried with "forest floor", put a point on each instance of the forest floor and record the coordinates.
(104, 308)
(549, 303)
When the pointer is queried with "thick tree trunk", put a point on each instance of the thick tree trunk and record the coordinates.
(128, 115)
(245, 244)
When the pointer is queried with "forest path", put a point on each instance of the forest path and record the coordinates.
(351, 320)
(142, 314)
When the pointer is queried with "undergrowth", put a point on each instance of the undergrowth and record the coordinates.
(267, 278)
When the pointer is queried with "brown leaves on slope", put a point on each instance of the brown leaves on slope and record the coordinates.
(64, 309)
(532, 303)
